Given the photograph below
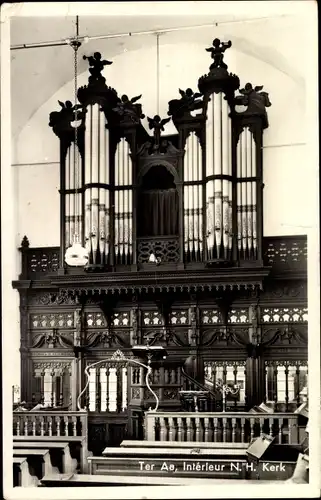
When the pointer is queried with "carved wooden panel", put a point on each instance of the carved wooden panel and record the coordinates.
(284, 314)
(52, 320)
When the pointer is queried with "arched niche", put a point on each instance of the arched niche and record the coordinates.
(158, 202)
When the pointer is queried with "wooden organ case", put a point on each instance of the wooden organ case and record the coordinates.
(173, 226)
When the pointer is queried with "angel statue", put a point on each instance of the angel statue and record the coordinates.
(189, 102)
(217, 53)
(127, 108)
(157, 124)
(96, 67)
(255, 100)
(62, 119)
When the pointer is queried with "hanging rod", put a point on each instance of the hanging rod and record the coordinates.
(85, 39)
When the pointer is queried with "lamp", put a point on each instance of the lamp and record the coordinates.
(76, 255)
(154, 260)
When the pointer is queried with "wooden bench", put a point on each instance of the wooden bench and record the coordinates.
(76, 480)
(183, 444)
(171, 452)
(21, 473)
(39, 460)
(73, 441)
(63, 461)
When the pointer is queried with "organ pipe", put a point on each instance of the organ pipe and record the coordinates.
(246, 195)
(96, 194)
(73, 208)
(123, 204)
(193, 227)
(218, 182)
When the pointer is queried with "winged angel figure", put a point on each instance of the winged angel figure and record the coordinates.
(127, 108)
(157, 124)
(68, 114)
(96, 67)
(255, 100)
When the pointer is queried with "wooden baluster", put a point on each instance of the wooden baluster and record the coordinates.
(197, 429)
(18, 426)
(252, 422)
(52, 385)
(290, 426)
(66, 425)
(297, 385)
(215, 429)
(58, 425)
(233, 429)
(271, 421)
(275, 385)
(224, 429)
(25, 426)
(210, 430)
(206, 424)
(42, 423)
(243, 430)
(162, 429)
(74, 425)
(179, 429)
(107, 388)
(98, 398)
(286, 372)
(34, 426)
(171, 429)
(49, 425)
(188, 429)
(280, 422)
(235, 382)
(261, 425)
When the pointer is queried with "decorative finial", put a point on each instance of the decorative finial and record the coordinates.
(25, 242)
(217, 53)
(96, 66)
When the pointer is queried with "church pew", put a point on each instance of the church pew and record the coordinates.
(59, 452)
(171, 452)
(182, 444)
(39, 460)
(73, 441)
(77, 480)
(21, 473)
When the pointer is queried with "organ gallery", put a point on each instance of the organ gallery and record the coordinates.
(164, 292)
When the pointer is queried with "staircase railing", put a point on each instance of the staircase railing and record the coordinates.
(211, 403)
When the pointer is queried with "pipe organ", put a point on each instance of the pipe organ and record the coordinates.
(214, 167)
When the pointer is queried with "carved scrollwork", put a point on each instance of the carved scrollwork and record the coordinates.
(167, 250)
(107, 339)
(51, 339)
(288, 334)
(59, 298)
(225, 336)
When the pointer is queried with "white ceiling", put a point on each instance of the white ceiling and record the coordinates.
(38, 73)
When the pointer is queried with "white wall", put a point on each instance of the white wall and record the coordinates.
(36, 149)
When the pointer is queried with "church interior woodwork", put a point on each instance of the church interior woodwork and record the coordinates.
(172, 229)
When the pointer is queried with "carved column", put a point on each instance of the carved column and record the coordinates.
(255, 383)
(26, 363)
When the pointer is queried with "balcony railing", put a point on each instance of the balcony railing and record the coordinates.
(220, 427)
(282, 253)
